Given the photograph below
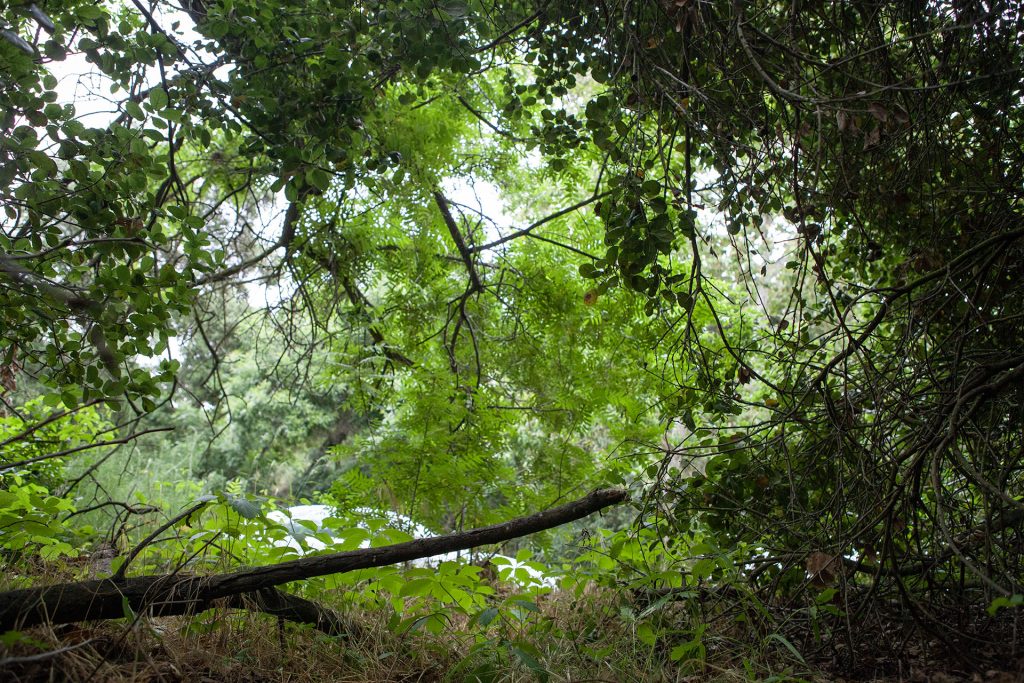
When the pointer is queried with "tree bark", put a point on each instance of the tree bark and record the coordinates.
(175, 594)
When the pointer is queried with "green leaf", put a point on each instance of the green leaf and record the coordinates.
(291, 190)
(158, 98)
(530, 657)
(527, 605)
(126, 609)
(88, 11)
(134, 110)
(1004, 602)
(486, 616)
(417, 587)
(779, 638)
(690, 649)
(319, 179)
(455, 9)
(245, 507)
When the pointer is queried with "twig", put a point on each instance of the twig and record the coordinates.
(86, 447)
(134, 552)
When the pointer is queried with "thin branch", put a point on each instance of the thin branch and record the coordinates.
(547, 219)
(291, 217)
(486, 122)
(505, 35)
(48, 420)
(788, 95)
(134, 552)
(78, 449)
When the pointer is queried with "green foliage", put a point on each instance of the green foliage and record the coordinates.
(30, 519)
(766, 271)
(1004, 602)
(34, 507)
(51, 433)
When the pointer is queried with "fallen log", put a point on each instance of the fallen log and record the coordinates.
(176, 594)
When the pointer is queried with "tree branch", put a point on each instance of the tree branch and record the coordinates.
(177, 594)
(547, 219)
(291, 217)
(460, 244)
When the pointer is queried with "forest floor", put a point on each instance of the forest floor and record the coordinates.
(590, 640)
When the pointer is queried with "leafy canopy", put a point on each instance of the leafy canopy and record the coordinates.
(772, 247)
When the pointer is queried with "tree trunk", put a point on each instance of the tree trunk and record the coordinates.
(174, 594)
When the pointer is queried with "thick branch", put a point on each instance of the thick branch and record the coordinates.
(460, 244)
(177, 594)
(293, 608)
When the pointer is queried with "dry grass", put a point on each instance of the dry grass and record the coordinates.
(224, 647)
(580, 638)
(588, 638)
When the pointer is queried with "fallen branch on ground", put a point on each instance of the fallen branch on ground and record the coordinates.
(254, 589)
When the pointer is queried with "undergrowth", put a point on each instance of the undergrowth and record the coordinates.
(591, 637)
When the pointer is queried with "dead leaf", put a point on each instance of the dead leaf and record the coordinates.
(879, 111)
(872, 138)
(822, 569)
(869, 554)
(9, 372)
(101, 560)
(844, 121)
(8, 381)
